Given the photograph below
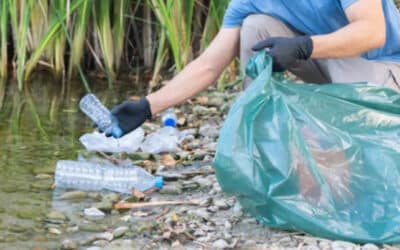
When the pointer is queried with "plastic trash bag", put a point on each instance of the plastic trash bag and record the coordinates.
(99, 142)
(324, 159)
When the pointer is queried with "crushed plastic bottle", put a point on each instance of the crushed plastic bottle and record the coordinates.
(96, 177)
(165, 139)
(129, 143)
(100, 115)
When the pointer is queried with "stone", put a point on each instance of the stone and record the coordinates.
(44, 170)
(74, 195)
(203, 182)
(111, 197)
(42, 184)
(43, 176)
(55, 231)
(92, 227)
(221, 204)
(342, 245)
(201, 213)
(29, 214)
(369, 246)
(56, 216)
(100, 243)
(120, 231)
(94, 248)
(105, 236)
(139, 156)
(173, 188)
(208, 130)
(16, 228)
(228, 225)
(2, 210)
(68, 244)
(93, 213)
(220, 244)
(105, 206)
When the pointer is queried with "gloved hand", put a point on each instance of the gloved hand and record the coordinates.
(132, 114)
(286, 51)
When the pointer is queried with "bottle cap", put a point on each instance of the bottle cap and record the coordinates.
(170, 122)
(116, 132)
(159, 182)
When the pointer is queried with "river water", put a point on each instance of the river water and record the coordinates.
(39, 126)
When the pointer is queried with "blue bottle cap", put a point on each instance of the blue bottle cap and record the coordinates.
(116, 132)
(159, 182)
(170, 122)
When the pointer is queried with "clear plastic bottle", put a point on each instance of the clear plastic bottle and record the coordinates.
(168, 118)
(166, 138)
(100, 115)
(96, 177)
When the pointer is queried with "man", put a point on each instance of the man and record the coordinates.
(319, 41)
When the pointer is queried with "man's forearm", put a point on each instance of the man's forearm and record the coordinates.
(199, 74)
(352, 40)
(194, 78)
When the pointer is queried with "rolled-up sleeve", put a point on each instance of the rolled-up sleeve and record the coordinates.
(347, 3)
(236, 12)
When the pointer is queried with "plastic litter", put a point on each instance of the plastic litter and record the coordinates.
(100, 115)
(99, 142)
(165, 139)
(96, 177)
(324, 159)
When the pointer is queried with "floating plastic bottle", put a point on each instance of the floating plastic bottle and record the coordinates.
(166, 138)
(90, 176)
(100, 115)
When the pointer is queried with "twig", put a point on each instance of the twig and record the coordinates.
(164, 212)
(126, 205)
(110, 158)
(200, 172)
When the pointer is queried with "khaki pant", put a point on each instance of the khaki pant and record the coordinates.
(355, 69)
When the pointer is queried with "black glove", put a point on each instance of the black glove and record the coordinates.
(286, 51)
(131, 114)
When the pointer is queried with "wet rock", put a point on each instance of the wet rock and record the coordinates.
(111, 197)
(139, 156)
(199, 155)
(40, 238)
(369, 247)
(228, 225)
(55, 231)
(203, 182)
(94, 196)
(29, 214)
(199, 233)
(69, 245)
(72, 229)
(105, 206)
(342, 245)
(93, 213)
(2, 210)
(212, 209)
(105, 236)
(122, 244)
(92, 227)
(38, 248)
(16, 228)
(43, 176)
(324, 244)
(56, 217)
(94, 248)
(9, 238)
(100, 243)
(208, 130)
(221, 204)
(42, 184)
(173, 188)
(220, 244)
(200, 213)
(190, 185)
(120, 231)
(44, 170)
(200, 110)
(74, 195)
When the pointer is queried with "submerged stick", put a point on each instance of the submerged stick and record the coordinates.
(127, 205)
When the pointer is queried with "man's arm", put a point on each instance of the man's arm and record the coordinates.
(366, 31)
(200, 73)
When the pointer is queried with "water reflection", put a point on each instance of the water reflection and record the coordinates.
(39, 126)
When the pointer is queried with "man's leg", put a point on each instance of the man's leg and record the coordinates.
(256, 28)
(358, 69)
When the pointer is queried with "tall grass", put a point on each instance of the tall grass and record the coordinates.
(109, 37)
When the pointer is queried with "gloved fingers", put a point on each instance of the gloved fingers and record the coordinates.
(268, 43)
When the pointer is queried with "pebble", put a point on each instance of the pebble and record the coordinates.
(228, 225)
(201, 213)
(221, 204)
(43, 176)
(120, 231)
(105, 206)
(203, 182)
(220, 244)
(74, 195)
(369, 247)
(208, 130)
(173, 188)
(93, 213)
(105, 236)
(69, 245)
(94, 248)
(56, 216)
(55, 231)
(100, 243)
(342, 245)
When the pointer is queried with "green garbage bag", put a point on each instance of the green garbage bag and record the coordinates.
(323, 159)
